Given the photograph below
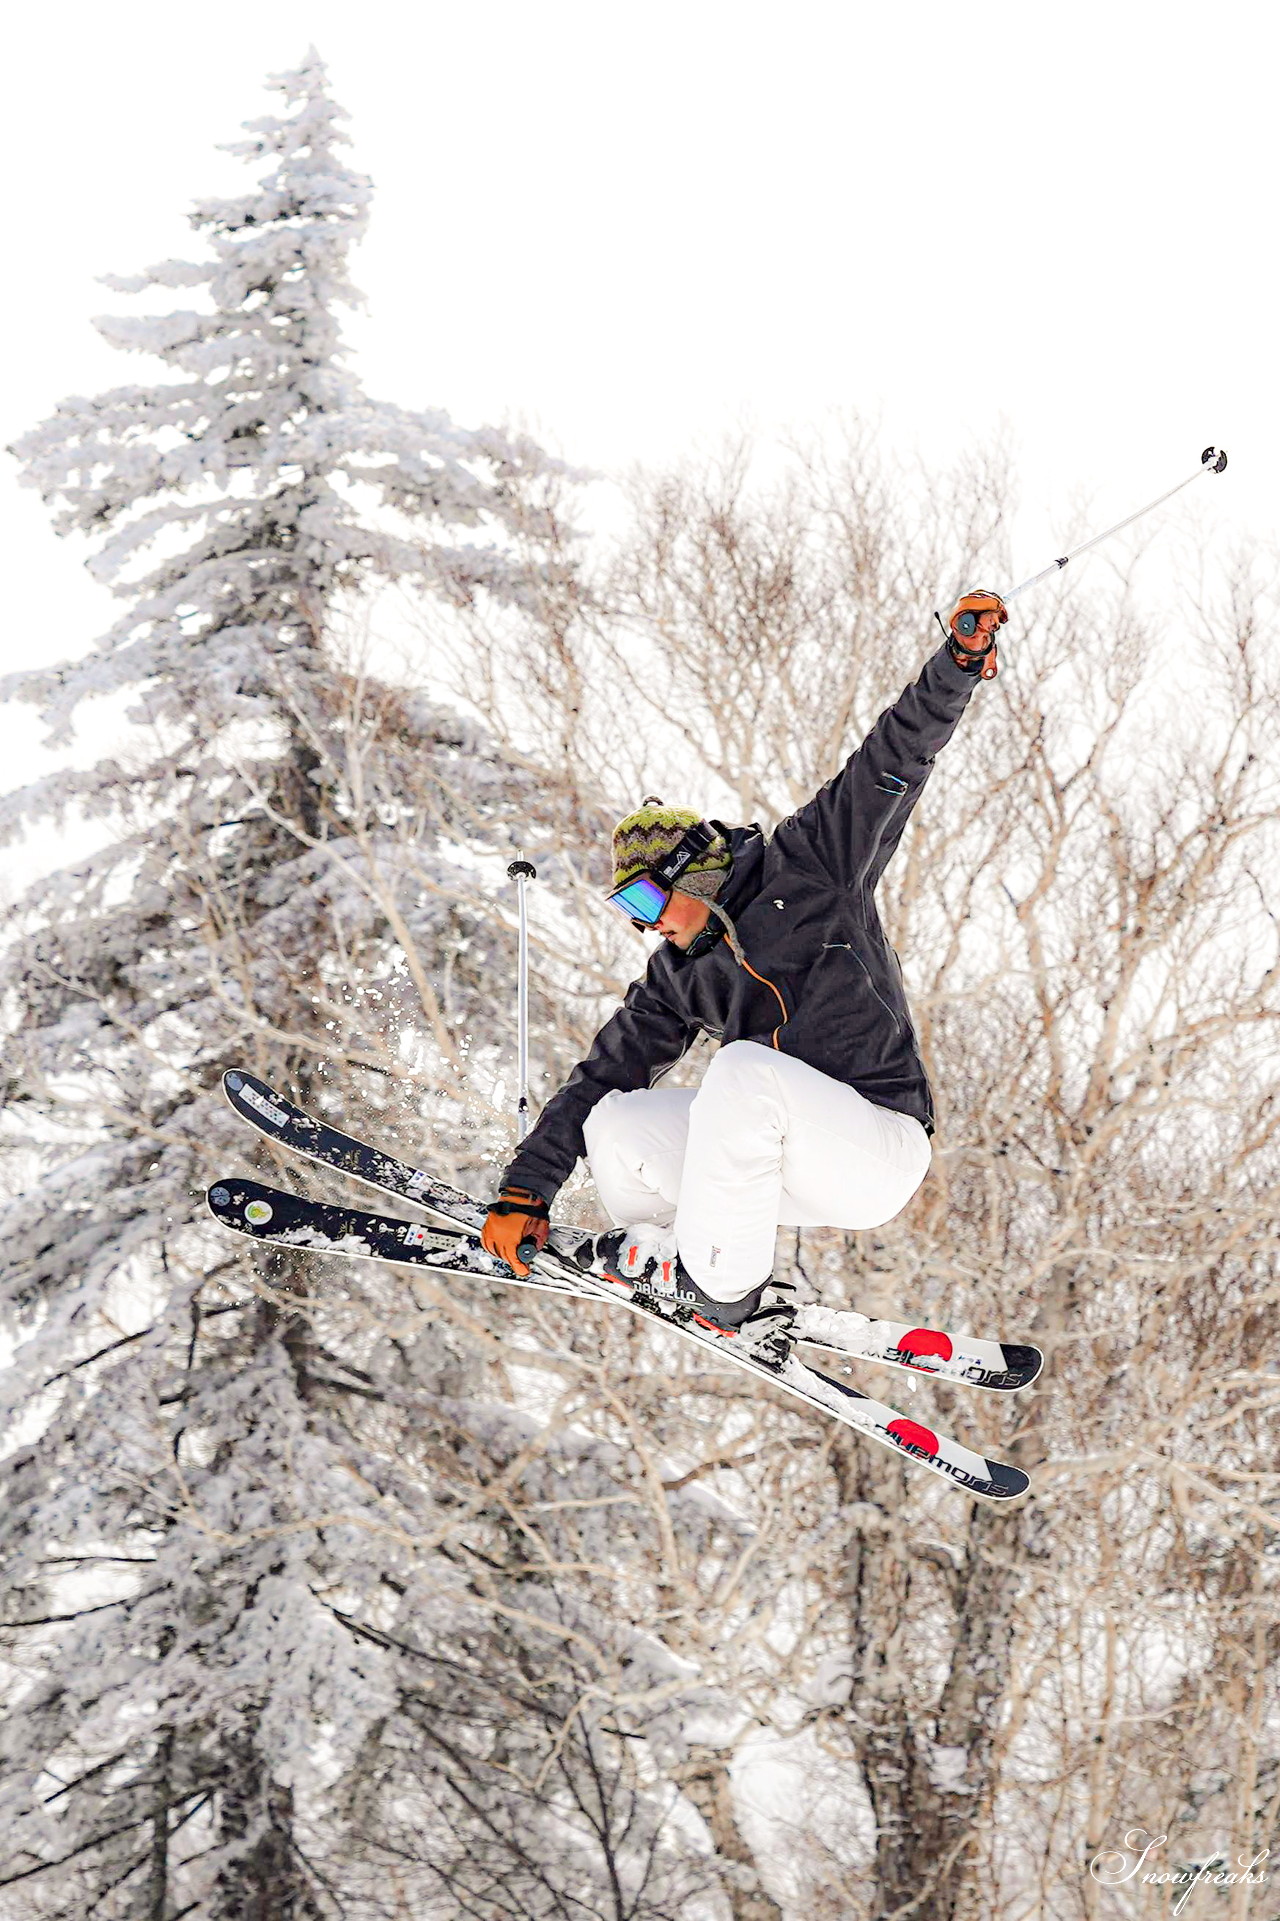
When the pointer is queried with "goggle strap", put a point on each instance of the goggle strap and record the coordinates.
(696, 841)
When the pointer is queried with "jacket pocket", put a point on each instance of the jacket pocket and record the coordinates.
(895, 1014)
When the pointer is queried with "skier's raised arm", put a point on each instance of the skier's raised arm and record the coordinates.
(854, 823)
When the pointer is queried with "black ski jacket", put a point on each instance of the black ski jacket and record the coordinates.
(822, 982)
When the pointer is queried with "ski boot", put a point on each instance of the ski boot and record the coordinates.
(644, 1260)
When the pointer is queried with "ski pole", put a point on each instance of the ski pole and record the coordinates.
(522, 872)
(1212, 461)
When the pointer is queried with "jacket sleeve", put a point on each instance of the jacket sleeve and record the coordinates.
(854, 823)
(632, 1049)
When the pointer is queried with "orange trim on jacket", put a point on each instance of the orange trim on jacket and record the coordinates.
(786, 1016)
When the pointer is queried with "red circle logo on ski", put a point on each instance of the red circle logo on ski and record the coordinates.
(926, 1340)
(911, 1434)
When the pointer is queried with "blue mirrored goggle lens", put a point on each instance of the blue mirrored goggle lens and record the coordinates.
(641, 900)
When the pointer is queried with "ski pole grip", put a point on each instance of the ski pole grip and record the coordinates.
(527, 1250)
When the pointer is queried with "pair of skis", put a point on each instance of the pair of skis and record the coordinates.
(282, 1219)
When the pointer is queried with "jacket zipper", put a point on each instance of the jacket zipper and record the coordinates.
(897, 1022)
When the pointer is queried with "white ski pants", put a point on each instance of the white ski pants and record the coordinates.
(765, 1142)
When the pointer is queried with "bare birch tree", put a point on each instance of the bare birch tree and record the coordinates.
(1086, 909)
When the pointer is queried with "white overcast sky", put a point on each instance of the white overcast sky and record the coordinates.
(637, 227)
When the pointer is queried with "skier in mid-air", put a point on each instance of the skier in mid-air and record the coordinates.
(816, 1110)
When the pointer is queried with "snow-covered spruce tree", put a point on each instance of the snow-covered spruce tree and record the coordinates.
(226, 1507)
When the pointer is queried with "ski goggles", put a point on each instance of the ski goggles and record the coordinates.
(643, 898)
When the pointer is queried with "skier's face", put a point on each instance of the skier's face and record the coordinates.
(682, 919)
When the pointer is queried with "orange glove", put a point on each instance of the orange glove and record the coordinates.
(516, 1218)
(972, 628)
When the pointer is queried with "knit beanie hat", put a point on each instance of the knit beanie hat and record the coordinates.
(648, 835)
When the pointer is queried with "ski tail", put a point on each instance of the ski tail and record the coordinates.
(965, 1359)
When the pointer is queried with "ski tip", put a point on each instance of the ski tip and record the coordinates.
(219, 1200)
(247, 1206)
(254, 1101)
(223, 1196)
(239, 1081)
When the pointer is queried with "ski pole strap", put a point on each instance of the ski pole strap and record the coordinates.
(979, 661)
(515, 1200)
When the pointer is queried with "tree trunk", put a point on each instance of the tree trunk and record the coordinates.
(931, 1775)
(156, 1905)
(263, 1881)
(705, 1779)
